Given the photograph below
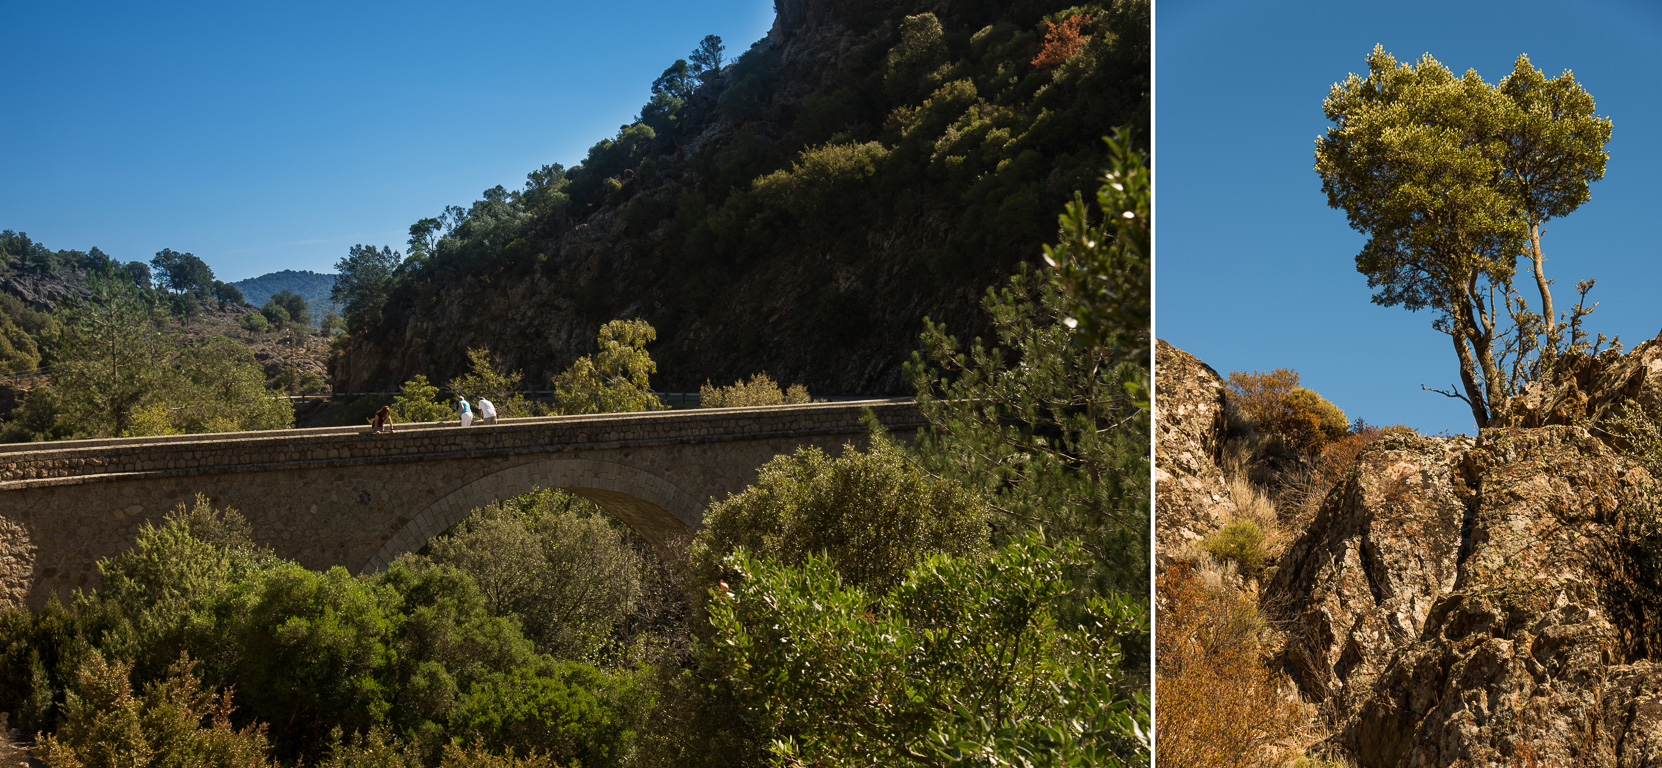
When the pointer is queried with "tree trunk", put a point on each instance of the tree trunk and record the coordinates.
(1540, 260)
(1468, 372)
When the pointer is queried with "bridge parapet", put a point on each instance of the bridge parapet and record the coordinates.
(39, 464)
(341, 496)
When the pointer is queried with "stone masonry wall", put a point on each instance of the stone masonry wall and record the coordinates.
(340, 496)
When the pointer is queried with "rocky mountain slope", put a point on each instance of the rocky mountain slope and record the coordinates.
(830, 287)
(1459, 600)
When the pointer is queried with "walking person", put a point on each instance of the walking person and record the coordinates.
(487, 411)
(383, 421)
(466, 412)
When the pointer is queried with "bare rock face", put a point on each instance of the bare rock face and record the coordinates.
(1361, 582)
(1456, 601)
(1518, 659)
(1585, 388)
(1189, 486)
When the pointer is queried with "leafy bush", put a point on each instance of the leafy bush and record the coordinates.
(759, 390)
(176, 723)
(484, 379)
(570, 712)
(1280, 406)
(616, 378)
(1043, 425)
(840, 676)
(872, 514)
(568, 577)
(824, 181)
(418, 401)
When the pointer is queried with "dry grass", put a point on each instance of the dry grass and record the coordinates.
(1219, 704)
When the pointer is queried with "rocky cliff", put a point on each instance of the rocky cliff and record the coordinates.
(839, 308)
(1460, 600)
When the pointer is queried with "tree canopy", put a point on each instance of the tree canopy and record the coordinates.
(364, 278)
(707, 56)
(183, 273)
(1451, 178)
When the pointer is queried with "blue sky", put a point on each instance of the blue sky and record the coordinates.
(1254, 271)
(267, 136)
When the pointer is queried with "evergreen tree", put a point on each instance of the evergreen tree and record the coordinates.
(707, 56)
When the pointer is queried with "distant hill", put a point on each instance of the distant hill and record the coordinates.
(313, 286)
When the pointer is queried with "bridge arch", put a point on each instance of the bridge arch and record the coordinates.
(654, 507)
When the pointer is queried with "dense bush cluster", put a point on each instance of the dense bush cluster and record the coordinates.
(412, 652)
(760, 389)
(1281, 407)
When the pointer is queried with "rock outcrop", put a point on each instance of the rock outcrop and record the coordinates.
(1459, 601)
(1585, 388)
(1189, 486)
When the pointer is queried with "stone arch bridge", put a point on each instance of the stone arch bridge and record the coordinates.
(340, 496)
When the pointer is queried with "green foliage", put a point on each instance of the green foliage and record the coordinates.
(761, 389)
(872, 513)
(175, 723)
(613, 379)
(295, 312)
(569, 577)
(823, 180)
(677, 81)
(1451, 179)
(964, 661)
(418, 401)
(363, 283)
(753, 79)
(183, 273)
(707, 56)
(226, 293)
(218, 387)
(569, 712)
(18, 351)
(254, 322)
(1240, 542)
(125, 372)
(484, 379)
(1105, 267)
(115, 358)
(1043, 424)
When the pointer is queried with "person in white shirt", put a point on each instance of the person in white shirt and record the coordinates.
(466, 412)
(487, 411)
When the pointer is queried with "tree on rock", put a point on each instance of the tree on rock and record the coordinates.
(707, 56)
(1451, 178)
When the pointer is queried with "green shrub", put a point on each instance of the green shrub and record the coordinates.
(1241, 541)
(175, 722)
(824, 181)
(761, 389)
(418, 401)
(838, 675)
(873, 513)
(566, 710)
(569, 578)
